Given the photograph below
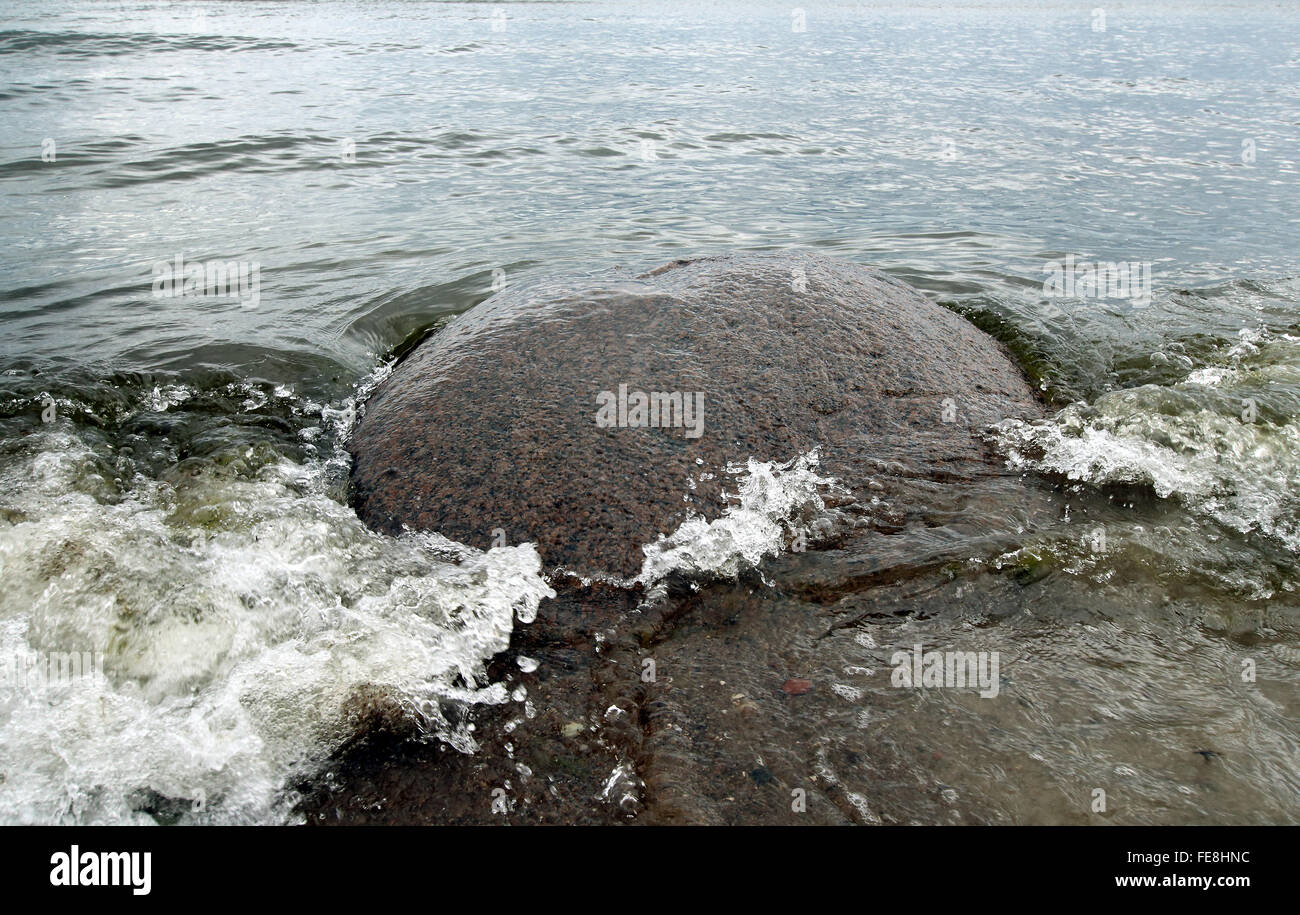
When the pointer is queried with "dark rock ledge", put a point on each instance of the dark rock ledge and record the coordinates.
(491, 424)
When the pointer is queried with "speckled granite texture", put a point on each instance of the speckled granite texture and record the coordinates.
(491, 423)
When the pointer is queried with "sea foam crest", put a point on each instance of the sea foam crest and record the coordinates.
(776, 502)
(244, 622)
(1224, 441)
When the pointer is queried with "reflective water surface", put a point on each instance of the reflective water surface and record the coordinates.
(174, 468)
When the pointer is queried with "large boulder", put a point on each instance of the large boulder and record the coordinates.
(525, 415)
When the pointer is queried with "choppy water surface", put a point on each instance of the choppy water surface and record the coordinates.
(172, 469)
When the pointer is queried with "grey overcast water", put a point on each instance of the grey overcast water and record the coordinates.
(173, 471)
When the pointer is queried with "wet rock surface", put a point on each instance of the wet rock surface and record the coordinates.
(768, 694)
(764, 700)
(718, 699)
(491, 424)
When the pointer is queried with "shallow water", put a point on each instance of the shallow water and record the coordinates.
(182, 512)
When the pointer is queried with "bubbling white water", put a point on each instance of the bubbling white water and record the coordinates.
(1224, 441)
(239, 618)
(777, 503)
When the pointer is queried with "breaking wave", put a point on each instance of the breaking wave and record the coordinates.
(243, 623)
(777, 505)
(1224, 440)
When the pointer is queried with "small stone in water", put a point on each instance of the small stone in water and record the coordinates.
(796, 687)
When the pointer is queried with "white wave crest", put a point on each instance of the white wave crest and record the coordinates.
(1243, 474)
(241, 622)
(776, 503)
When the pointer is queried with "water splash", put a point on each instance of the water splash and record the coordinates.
(776, 505)
(1224, 441)
(247, 622)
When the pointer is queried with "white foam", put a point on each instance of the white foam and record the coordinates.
(238, 620)
(775, 504)
(1242, 471)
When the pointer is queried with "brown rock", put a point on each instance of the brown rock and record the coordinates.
(796, 687)
(492, 422)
